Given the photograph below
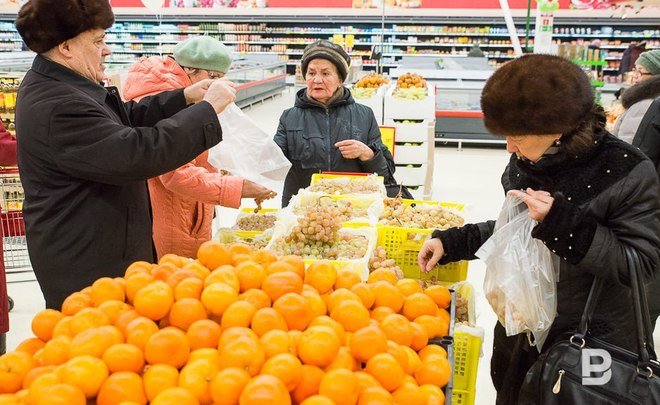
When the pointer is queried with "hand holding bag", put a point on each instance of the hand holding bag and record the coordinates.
(632, 378)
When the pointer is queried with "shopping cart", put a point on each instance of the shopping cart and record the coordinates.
(17, 261)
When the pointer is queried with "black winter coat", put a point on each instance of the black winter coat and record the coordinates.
(647, 137)
(605, 199)
(307, 134)
(84, 157)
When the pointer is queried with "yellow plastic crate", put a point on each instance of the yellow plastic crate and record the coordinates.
(467, 351)
(358, 177)
(251, 234)
(403, 245)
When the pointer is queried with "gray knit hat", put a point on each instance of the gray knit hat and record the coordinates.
(203, 52)
(650, 60)
(326, 50)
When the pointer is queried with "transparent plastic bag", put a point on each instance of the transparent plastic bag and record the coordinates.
(248, 152)
(520, 281)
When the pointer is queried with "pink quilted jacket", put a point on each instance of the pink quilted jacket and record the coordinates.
(182, 200)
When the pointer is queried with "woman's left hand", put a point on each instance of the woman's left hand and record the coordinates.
(538, 202)
(352, 149)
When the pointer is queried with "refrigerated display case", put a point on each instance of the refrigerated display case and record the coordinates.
(257, 77)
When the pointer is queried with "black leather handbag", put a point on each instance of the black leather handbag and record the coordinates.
(557, 376)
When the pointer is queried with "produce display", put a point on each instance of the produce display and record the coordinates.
(229, 235)
(362, 92)
(235, 326)
(345, 185)
(398, 213)
(256, 222)
(372, 81)
(380, 261)
(410, 86)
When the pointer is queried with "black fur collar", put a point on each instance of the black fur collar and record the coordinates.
(648, 89)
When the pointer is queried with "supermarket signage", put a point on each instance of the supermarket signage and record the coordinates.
(387, 136)
(545, 15)
(403, 4)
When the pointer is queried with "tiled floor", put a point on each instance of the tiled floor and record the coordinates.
(470, 176)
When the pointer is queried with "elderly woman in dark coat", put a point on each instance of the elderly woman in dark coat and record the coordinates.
(591, 193)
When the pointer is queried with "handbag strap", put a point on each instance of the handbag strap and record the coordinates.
(589, 308)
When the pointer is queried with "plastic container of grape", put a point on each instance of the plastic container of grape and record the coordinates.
(247, 211)
(350, 177)
(403, 245)
(371, 205)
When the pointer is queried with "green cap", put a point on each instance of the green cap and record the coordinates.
(650, 60)
(203, 52)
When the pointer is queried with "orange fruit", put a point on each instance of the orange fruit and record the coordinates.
(297, 263)
(75, 302)
(317, 400)
(418, 304)
(189, 288)
(201, 271)
(384, 368)
(86, 373)
(294, 339)
(386, 275)
(240, 258)
(433, 326)
(113, 308)
(245, 353)
(95, 342)
(44, 322)
(35, 373)
(264, 258)
(295, 310)
(265, 389)
(376, 395)
(250, 275)
(365, 293)
(286, 367)
(158, 378)
(267, 319)
(186, 311)
(30, 346)
(54, 352)
(444, 315)
(178, 276)
(413, 360)
(420, 338)
(154, 300)
(409, 393)
(122, 386)
(124, 357)
(175, 396)
(63, 394)
(341, 386)
(400, 355)
(225, 274)
(318, 346)
(436, 371)
(124, 319)
(203, 333)
(227, 385)
(440, 295)
(106, 289)
(409, 286)
(256, 297)
(232, 334)
(40, 385)
(163, 271)
(218, 297)
(433, 395)
(213, 254)
(14, 367)
(368, 342)
(282, 267)
(338, 296)
(430, 351)
(240, 249)
(275, 342)
(173, 259)
(398, 329)
(206, 354)
(168, 346)
(387, 295)
(379, 313)
(344, 360)
(309, 383)
(321, 275)
(352, 315)
(316, 303)
(196, 378)
(346, 279)
(327, 321)
(239, 313)
(139, 330)
(278, 284)
(138, 267)
(88, 318)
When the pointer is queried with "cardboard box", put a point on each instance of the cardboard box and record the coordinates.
(395, 108)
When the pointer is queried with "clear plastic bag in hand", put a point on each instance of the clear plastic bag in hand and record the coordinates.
(521, 281)
(249, 152)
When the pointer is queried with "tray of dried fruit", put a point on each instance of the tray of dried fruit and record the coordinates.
(355, 210)
(347, 184)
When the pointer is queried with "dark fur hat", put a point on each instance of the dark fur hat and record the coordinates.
(326, 50)
(536, 95)
(44, 24)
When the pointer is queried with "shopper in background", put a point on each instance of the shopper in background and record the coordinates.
(84, 156)
(327, 130)
(591, 193)
(475, 51)
(7, 158)
(637, 99)
(183, 200)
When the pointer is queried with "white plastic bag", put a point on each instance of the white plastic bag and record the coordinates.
(248, 152)
(520, 282)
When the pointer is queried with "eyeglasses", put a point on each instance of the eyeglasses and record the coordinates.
(638, 72)
(215, 75)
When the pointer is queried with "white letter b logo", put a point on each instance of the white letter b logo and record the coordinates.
(601, 367)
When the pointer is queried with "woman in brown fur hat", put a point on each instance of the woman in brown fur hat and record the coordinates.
(85, 156)
(591, 194)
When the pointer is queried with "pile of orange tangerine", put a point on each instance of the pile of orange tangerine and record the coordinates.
(235, 326)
